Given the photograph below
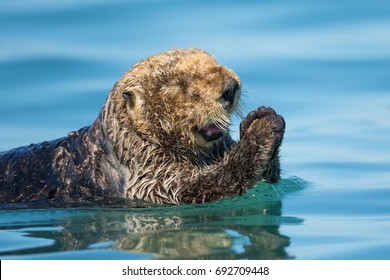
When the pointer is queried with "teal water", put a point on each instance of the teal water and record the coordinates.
(323, 65)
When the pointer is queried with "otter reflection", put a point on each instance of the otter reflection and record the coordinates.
(243, 232)
(193, 232)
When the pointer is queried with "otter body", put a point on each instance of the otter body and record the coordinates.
(70, 168)
(162, 136)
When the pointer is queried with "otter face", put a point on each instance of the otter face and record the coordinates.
(213, 114)
(180, 98)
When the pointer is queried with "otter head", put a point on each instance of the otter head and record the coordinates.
(179, 99)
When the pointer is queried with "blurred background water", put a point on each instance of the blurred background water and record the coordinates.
(323, 65)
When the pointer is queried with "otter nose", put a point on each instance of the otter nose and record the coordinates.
(229, 91)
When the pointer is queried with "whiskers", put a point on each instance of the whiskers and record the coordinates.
(249, 95)
(222, 118)
(222, 121)
(243, 108)
(240, 109)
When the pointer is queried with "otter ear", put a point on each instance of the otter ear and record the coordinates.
(129, 96)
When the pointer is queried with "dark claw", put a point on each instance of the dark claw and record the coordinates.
(256, 114)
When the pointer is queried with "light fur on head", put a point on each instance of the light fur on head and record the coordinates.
(166, 99)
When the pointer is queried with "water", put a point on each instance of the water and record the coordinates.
(323, 65)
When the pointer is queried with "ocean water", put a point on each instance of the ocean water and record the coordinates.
(323, 65)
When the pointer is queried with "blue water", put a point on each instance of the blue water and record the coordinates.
(323, 65)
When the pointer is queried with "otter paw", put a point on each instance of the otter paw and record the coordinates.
(269, 129)
(260, 113)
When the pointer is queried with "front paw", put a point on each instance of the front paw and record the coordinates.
(262, 124)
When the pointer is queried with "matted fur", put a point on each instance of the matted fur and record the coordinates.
(162, 136)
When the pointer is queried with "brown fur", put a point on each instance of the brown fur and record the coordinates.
(149, 141)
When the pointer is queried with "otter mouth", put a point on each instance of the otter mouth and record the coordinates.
(211, 132)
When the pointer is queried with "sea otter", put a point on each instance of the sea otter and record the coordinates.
(162, 136)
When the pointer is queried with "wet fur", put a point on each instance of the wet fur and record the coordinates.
(145, 143)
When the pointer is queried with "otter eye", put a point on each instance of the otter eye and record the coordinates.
(129, 97)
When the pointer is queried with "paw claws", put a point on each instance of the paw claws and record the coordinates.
(277, 121)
